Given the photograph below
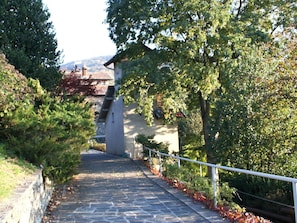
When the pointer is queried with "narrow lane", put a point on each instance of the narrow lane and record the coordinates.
(115, 189)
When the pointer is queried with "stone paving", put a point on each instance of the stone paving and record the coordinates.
(115, 189)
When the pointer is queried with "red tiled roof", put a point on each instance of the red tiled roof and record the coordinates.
(99, 76)
(94, 76)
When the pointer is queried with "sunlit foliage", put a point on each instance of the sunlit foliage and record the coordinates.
(49, 132)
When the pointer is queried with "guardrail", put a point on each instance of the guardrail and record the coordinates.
(98, 138)
(215, 174)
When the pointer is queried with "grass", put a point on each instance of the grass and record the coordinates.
(12, 172)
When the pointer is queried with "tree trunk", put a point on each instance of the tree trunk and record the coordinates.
(204, 107)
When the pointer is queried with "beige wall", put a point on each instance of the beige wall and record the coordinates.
(134, 124)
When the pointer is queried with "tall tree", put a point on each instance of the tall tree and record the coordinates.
(195, 44)
(27, 38)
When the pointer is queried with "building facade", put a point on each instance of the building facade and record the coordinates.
(123, 124)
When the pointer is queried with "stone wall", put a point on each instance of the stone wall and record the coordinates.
(29, 202)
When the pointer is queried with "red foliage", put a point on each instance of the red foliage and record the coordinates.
(73, 84)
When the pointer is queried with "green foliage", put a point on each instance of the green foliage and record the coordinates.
(144, 85)
(44, 130)
(193, 37)
(149, 142)
(52, 135)
(273, 190)
(210, 55)
(255, 116)
(196, 45)
(14, 92)
(190, 132)
(28, 40)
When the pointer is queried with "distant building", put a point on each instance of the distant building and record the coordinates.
(92, 85)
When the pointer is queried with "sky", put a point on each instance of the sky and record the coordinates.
(80, 29)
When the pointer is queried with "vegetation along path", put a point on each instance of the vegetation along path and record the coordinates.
(116, 189)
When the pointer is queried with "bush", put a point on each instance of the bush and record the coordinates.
(52, 135)
(195, 182)
(149, 142)
(249, 186)
(98, 146)
(47, 131)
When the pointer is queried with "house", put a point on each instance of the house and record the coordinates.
(123, 124)
(92, 85)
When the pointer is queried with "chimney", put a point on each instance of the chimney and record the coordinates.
(84, 71)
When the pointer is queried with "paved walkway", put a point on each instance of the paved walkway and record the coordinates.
(115, 189)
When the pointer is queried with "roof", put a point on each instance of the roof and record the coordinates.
(94, 76)
(112, 60)
(85, 85)
(99, 76)
(122, 55)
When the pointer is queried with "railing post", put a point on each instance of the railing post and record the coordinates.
(150, 157)
(160, 163)
(214, 177)
(178, 163)
(143, 151)
(294, 184)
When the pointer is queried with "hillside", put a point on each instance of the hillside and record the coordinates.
(94, 64)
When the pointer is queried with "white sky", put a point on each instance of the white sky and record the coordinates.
(80, 30)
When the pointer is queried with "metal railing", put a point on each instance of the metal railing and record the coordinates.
(97, 138)
(215, 174)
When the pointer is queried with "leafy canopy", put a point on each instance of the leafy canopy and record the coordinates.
(192, 43)
(226, 57)
(256, 115)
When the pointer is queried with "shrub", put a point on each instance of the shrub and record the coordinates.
(149, 142)
(52, 135)
(197, 183)
(47, 131)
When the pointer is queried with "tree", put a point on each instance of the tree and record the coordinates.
(27, 39)
(256, 118)
(72, 84)
(195, 44)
